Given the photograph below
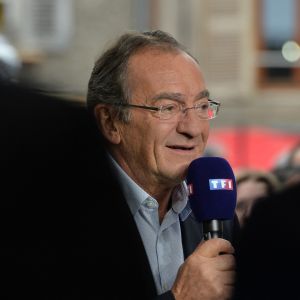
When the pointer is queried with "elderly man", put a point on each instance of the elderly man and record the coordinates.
(152, 107)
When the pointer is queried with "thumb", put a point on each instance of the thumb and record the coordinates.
(214, 247)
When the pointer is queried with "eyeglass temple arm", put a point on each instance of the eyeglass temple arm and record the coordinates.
(137, 106)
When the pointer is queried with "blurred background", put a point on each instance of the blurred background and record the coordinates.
(248, 50)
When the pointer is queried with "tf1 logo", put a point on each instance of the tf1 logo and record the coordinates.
(220, 184)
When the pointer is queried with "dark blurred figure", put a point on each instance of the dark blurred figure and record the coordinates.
(253, 185)
(53, 217)
(46, 194)
(268, 260)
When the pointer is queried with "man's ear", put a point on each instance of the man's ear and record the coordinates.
(107, 123)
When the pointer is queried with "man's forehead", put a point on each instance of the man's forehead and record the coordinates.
(167, 67)
(166, 75)
(157, 57)
(179, 96)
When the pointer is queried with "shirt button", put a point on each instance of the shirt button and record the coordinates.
(150, 203)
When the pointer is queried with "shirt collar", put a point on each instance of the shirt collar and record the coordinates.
(180, 202)
(132, 192)
(135, 195)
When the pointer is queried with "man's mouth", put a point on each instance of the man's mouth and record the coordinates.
(175, 147)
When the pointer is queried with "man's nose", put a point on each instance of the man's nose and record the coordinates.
(186, 109)
(189, 122)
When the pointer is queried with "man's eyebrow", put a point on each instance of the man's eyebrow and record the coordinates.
(168, 95)
(202, 94)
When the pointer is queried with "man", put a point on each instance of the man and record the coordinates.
(152, 107)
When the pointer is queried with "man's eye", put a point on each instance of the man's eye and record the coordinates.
(202, 106)
(170, 108)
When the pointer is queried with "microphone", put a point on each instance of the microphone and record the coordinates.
(212, 193)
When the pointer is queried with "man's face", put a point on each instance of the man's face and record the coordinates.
(153, 151)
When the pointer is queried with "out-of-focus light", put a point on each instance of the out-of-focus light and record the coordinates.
(291, 51)
(10, 62)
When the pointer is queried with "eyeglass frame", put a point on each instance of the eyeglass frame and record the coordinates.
(158, 108)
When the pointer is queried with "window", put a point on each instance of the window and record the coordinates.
(278, 62)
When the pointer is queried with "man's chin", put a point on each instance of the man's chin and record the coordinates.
(181, 172)
(177, 172)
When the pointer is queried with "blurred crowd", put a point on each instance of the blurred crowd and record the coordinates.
(269, 242)
(254, 185)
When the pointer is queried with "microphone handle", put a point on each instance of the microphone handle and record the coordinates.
(212, 229)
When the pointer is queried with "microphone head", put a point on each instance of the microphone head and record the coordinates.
(212, 189)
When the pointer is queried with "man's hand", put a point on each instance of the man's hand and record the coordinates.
(206, 274)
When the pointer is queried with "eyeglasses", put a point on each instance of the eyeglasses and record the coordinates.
(205, 110)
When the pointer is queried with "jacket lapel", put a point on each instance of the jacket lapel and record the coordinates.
(191, 234)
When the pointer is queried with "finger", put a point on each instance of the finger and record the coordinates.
(213, 247)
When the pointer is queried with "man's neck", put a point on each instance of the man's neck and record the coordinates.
(164, 200)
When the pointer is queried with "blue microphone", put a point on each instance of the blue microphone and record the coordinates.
(212, 193)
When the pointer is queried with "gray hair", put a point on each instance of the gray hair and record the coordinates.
(108, 81)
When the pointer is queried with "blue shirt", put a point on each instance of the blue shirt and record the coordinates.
(162, 242)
